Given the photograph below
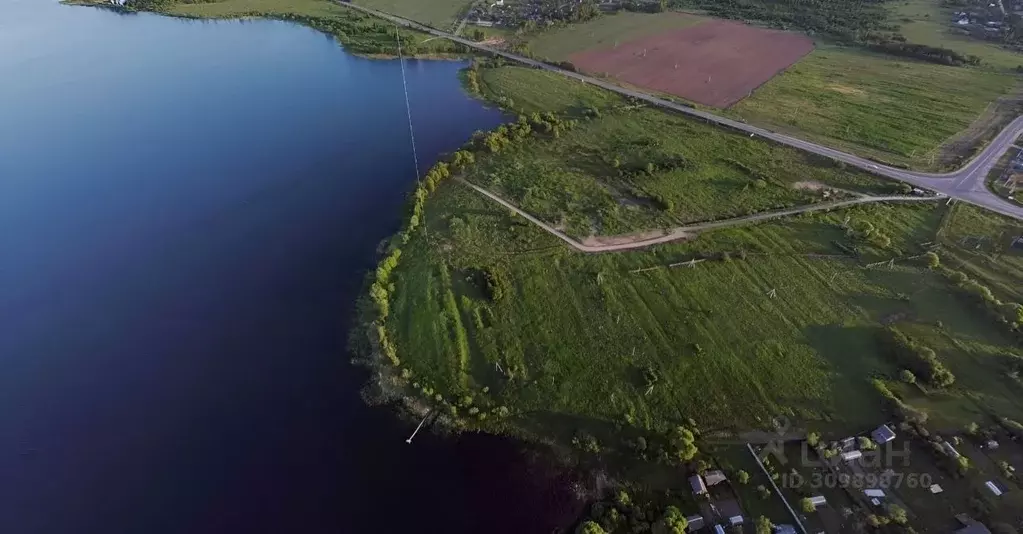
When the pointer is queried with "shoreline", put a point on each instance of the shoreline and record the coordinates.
(350, 42)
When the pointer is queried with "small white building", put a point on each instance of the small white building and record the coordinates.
(695, 522)
(735, 520)
(874, 493)
(718, 529)
(714, 477)
(950, 450)
(994, 488)
(852, 455)
(818, 501)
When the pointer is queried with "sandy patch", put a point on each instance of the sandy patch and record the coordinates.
(846, 90)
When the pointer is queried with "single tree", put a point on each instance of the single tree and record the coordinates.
(907, 376)
(807, 505)
(897, 514)
(590, 527)
(672, 522)
(742, 476)
(933, 261)
(764, 525)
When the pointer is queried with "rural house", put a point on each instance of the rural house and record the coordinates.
(699, 488)
(882, 435)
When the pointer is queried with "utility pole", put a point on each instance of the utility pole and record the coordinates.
(416, 431)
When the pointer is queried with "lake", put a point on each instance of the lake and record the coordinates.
(187, 210)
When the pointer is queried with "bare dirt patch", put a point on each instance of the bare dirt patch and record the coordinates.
(846, 90)
(716, 63)
(637, 237)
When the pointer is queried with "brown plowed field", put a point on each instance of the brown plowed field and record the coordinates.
(716, 63)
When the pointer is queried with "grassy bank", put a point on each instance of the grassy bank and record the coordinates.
(441, 14)
(357, 32)
(502, 327)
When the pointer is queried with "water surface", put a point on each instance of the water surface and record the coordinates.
(186, 211)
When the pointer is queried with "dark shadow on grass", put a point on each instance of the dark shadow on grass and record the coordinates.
(852, 354)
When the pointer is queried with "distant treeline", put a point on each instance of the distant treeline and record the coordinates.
(839, 19)
(933, 54)
(863, 23)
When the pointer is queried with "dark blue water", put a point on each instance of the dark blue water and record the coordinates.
(186, 211)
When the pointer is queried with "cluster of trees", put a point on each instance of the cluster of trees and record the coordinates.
(932, 54)
(364, 35)
(838, 19)
(920, 360)
(905, 412)
(621, 513)
(1009, 314)
(865, 230)
(682, 442)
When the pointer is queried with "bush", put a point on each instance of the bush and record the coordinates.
(919, 360)
(907, 376)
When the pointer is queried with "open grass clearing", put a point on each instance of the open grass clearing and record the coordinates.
(358, 32)
(441, 14)
(930, 23)
(630, 170)
(893, 110)
(605, 32)
(568, 343)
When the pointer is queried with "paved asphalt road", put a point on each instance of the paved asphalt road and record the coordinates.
(966, 184)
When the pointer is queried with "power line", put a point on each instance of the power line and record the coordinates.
(408, 107)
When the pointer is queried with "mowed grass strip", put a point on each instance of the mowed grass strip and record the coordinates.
(894, 110)
(605, 32)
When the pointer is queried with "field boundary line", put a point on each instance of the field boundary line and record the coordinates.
(784, 501)
(682, 232)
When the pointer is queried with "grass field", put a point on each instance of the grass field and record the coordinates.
(441, 14)
(359, 33)
(897, 111)
(571, 338)
(604, 32)
(699, 172)
(929, 23)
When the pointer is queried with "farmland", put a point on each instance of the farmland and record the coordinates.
(359, 33)
(440, 14)
(894, 110)
(605, 32)
(715, 63)
(623, 169)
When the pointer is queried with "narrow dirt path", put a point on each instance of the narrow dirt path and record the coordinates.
(645, 239)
